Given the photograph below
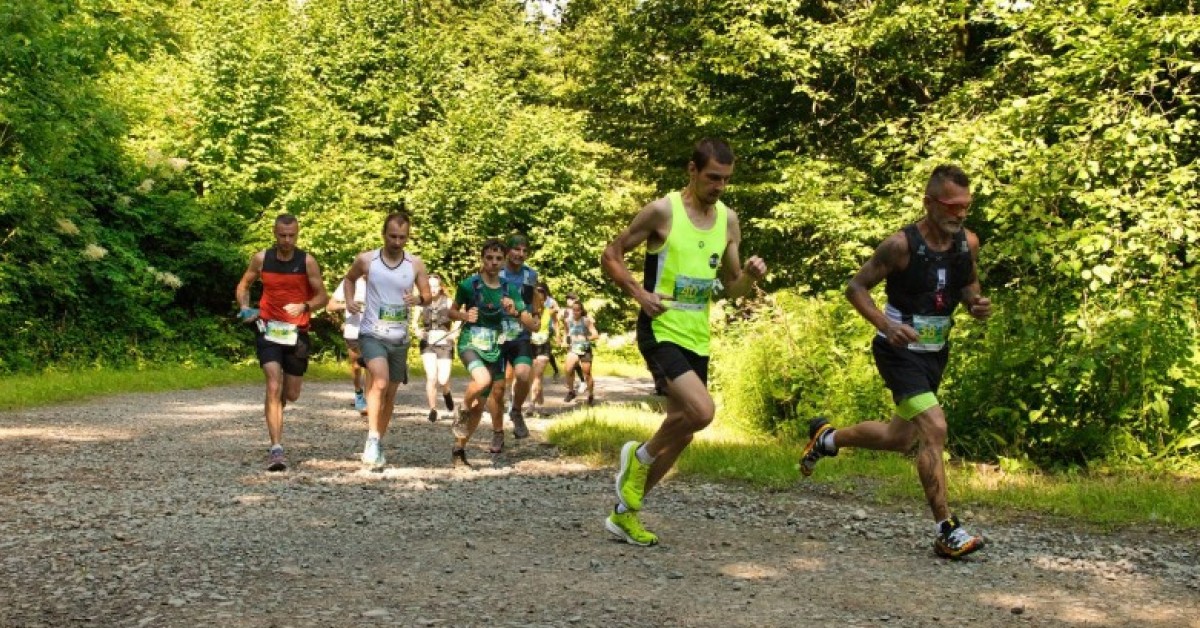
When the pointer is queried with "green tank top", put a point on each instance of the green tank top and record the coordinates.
(685, 268)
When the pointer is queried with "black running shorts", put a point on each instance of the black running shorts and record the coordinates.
(516, 352)
(909, 373)
(667, 358)
(293, 358)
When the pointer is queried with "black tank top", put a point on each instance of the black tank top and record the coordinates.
(932, 283)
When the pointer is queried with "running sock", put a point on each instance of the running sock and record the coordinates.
(373, 434)
(621, 509)
(827, 442)
(643, 455)
(276, 446)
(358, 391)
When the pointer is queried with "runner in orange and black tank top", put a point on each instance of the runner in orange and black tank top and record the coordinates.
(284, 282)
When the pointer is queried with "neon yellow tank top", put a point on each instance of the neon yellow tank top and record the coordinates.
(684, 270)
(542, 335)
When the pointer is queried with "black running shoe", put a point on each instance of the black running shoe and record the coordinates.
(815, 450)
(433, 416)
(449, 399)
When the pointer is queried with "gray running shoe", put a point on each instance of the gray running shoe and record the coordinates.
(275, 460)
(518, 421)
(459, 426)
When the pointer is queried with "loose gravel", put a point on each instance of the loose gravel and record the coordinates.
(154, 510)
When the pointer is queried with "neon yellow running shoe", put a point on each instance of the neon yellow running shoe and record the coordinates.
(631, 477)
(627, 528)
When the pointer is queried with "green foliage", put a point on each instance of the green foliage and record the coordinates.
(1077, 124)
(802, 356)
(96, 240)
(146, 147)
(1115, 385)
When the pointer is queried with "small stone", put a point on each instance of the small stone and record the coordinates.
(377, 612)
(675, 575)
(860, 515)
(1017, 610)
(176, 601)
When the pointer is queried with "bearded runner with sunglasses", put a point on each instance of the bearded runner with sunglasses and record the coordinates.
(929, 268)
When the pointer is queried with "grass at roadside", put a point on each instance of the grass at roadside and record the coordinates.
(722, 452)
(27, 391)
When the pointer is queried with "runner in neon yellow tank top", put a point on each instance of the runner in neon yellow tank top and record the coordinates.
(691, 240)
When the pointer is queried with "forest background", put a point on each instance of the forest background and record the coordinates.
(146, 146)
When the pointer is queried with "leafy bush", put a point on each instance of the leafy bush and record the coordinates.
(1089, 384)
(798, 357)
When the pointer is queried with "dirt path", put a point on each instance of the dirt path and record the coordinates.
(153, 510)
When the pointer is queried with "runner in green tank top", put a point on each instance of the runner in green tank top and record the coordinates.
(692, 243)
(481, 302)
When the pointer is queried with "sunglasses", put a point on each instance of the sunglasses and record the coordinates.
(952, 207)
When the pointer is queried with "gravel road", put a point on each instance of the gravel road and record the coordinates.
(154, 510)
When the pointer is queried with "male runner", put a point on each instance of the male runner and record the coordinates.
(691, 238)
(391, 274)
(292, 289)
(517, 351)
(929, 268)
(481, 303)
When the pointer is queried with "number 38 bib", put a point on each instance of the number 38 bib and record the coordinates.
(932, 332)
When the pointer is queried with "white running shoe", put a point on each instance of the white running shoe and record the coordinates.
(373, 453)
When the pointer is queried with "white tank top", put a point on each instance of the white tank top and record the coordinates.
(386, 316)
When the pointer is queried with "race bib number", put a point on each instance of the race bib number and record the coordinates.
(580, 346)
(281, 333)
(932, 332)
(692, 294)
(483, 339)
(512, 329)
(540, 338)
(393, 321)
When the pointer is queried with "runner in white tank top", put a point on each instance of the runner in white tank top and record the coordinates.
(383, 335)
(386, 315)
